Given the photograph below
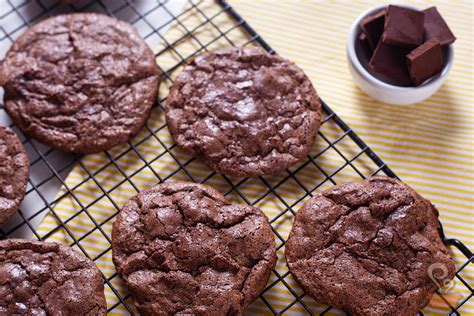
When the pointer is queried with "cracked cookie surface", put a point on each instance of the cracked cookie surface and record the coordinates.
(182, 248)
(38, 278)
(243, 111)
(367, 247)
(80, 82)
(14, 173)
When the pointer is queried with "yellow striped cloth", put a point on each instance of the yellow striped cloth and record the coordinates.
(429, 145)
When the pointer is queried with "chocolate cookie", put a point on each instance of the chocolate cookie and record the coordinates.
(243, 111)
(182, 248)
(369, 248)
(38, 278)
(14, 173)
(81, 82)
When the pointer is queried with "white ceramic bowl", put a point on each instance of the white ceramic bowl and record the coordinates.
(383, 91)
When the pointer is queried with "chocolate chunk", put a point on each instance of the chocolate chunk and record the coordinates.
(373, 27)
(364, 42)
(388, 61)
(366, 247)
(425, 61)
(436, 27)
(403, 27)
(183, 249)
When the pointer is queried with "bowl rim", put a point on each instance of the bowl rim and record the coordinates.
(352, 56)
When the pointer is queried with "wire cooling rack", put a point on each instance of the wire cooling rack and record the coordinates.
(338, 156)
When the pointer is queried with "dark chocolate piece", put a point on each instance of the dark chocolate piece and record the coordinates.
(373, 26)
(365, 44)
(366, 247)
(425, 61)
(403, 27)
(436, 27)
(389, 62)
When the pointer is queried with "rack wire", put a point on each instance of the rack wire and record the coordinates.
(338, 156)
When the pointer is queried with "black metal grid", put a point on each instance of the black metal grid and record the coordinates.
(335, 138)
